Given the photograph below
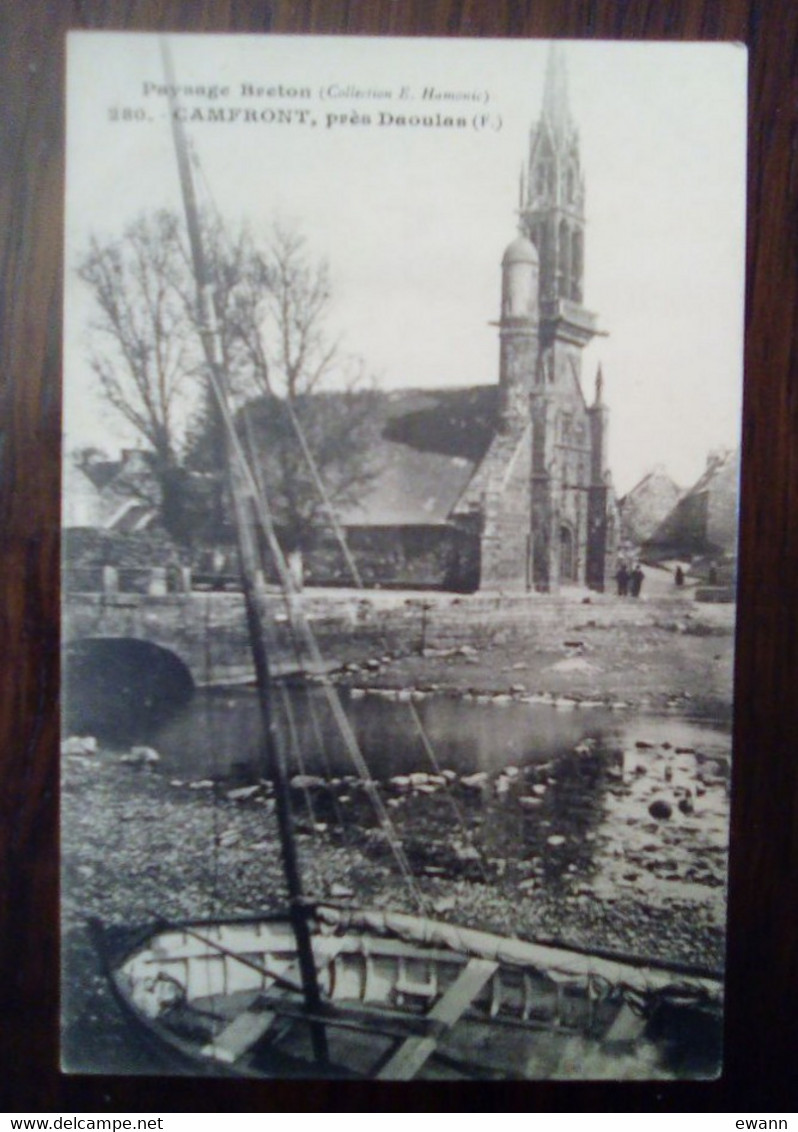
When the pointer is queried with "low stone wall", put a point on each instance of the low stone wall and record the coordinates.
(208, 631)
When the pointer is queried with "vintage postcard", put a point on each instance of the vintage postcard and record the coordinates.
(401, 453)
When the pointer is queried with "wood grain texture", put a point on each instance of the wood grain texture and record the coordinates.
(763, 941)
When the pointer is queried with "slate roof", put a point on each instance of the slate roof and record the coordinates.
(426, 445)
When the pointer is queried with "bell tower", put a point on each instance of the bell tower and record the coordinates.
(553, 217)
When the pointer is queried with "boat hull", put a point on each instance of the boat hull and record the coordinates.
(405, 996)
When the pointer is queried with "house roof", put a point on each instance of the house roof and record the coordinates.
(425, 447)
(704, 520)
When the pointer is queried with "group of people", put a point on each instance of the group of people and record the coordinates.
(629, 579)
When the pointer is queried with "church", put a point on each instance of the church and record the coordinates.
(505, 487)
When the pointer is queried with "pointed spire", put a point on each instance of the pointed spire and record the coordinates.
(556, 111)
(599, 385)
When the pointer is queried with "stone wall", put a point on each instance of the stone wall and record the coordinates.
(208, 631)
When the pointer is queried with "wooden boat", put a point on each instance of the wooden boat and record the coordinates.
(407, 997)
(329, 991)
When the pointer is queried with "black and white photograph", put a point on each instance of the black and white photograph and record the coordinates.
(401, 451)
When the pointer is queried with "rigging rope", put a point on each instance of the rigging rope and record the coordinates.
(426, 743)
(259, 504)
(321, 745)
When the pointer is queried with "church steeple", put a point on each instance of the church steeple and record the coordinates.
(556, 112)
(553, 209)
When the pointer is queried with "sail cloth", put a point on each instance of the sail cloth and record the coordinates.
(560, 965)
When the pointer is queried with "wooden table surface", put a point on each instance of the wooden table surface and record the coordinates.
(762, 1015)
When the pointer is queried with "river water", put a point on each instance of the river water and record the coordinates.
(217, 734)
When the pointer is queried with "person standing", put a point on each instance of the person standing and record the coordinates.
(622, 579)
(636, 580)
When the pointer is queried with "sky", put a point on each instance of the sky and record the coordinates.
(413, 219)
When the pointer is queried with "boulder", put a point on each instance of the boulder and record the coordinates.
(660, 809)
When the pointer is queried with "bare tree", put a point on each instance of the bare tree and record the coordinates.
(273, 302)
(145, 353)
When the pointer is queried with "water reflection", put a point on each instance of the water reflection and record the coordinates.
(218, 733)
(554, 792)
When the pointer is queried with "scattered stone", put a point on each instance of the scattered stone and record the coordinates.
(528, 884)
(307, 782)
(341, 890)
(79, 745)
(141, 756)
(512, 771)
(444, 904)
(686, 805)
(528, 803)
(475, 781)
(660, 809)
(243, 793)
(555, 839)
(201, 784)
(539, 789)
(642, 745)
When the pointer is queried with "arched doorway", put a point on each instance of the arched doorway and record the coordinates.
(567, 555)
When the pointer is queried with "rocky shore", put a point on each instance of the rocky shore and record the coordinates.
(613, 847)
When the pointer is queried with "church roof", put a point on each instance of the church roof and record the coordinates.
(425, 447)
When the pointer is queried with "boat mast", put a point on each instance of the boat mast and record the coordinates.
(244, 508)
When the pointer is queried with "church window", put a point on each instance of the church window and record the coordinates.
(567, 555)
(576, 265)
(564, 261)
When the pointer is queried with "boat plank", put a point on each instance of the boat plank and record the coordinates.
(240, 1035)
(415, 1051)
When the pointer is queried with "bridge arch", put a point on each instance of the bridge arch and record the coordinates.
(121, 689)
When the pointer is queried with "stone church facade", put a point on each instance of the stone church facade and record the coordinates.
(543, 492)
